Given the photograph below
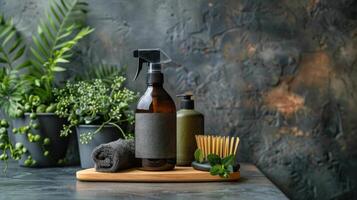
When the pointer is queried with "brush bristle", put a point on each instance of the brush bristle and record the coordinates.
(220, 145)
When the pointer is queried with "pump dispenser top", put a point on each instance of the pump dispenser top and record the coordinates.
(186, 101)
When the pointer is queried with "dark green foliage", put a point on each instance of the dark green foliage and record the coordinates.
(11, 92)
(12, 49)
(7, 150)
(222, 167)
(199, 156)
(95, 102)
(26, 84)
(213, 159)
(105, 72)
(53, 45)
(52, 48)
(219, 166)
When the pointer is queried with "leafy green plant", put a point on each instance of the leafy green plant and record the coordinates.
(7, 149)
(11, 91)
(53, 46)
(27, 82)
(199, 156)
(12, 47)
(222, 167)
(106, 72)
(95, 102)
(219, 166)
(11, 53)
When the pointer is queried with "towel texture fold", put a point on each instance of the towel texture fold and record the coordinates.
(115, 156)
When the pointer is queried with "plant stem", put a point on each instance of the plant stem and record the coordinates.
(101, 126)
(5, 168)
(121, 130)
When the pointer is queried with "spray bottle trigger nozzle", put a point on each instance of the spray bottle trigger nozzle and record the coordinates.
(140, 66)
(138, 70)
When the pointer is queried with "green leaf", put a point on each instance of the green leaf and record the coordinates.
(61, 60)
(39, 46)
(199, 156)
(44, 40)
(213, 159)
(105, 72)
(63, 25)
(10, 53)
(51, 22)
(59, 69)
(66, 34)
(5, 31)
(55, 14)
(222, 169)
(37, 82)
(3, 59)
(15, 45)
(230, 168)
(24, 64)
(37, 55)
(19, 53)
(37, 65)
(47, 30)
(224, 175)
(64, 4)
(59, 8)
(8, 37)
(215, 170)
(228, 160)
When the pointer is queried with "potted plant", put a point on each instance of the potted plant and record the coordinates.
(26, 94)
(99, 109)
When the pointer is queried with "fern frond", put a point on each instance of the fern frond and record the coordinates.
(105, 72)
(53, 44)
(12, 47)
(65, 17)
(11, 91)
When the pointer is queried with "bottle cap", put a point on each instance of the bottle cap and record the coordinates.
(186, 101)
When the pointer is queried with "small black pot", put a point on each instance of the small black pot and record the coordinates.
(50, 126)
(107, 134)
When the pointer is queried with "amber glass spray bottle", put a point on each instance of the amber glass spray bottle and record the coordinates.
(155, 116)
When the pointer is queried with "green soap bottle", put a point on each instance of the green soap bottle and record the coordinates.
(189, 124)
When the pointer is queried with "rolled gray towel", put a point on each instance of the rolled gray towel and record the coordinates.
(115, 156)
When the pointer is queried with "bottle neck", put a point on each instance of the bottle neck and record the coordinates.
(155, 85)
(156, 78)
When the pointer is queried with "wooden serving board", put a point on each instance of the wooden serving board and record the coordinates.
(179, 174)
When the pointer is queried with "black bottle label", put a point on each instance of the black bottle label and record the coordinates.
(155, 135)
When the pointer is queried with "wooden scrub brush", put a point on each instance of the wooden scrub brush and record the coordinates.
(222, 146)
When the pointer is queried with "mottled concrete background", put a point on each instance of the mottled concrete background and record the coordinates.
(280, 74)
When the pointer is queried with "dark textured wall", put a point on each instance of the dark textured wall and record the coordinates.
(280, 74)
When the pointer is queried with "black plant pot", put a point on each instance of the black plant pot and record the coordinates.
(50, 126)
(107, 134)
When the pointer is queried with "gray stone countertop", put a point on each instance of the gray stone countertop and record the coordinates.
(60, 183)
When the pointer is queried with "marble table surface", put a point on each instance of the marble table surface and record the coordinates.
(60, 183)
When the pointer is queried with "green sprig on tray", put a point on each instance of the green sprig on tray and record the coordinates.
(222, 167)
